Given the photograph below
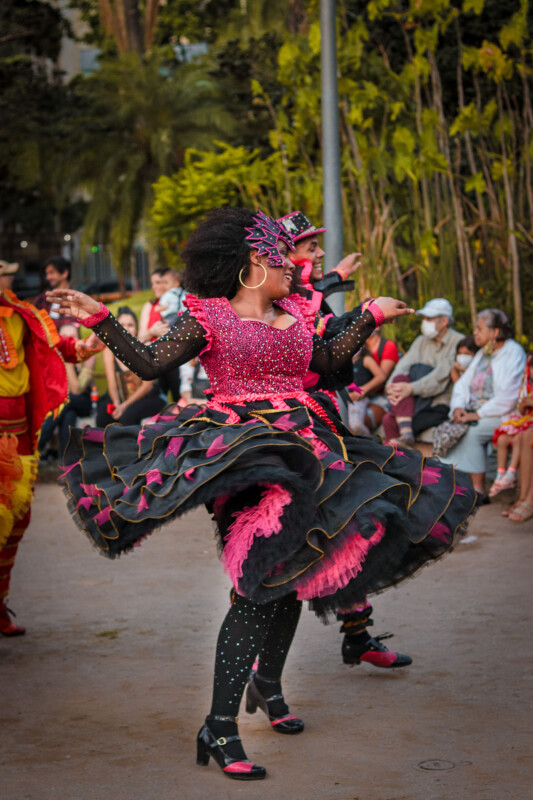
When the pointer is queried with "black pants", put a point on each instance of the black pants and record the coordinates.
(428, 417)
(170, 382)
(147, 406)
(79, 405)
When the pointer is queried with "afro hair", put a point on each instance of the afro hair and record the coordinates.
(217, 251)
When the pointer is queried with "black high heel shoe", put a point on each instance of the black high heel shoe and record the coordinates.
(285, 723)
(208, 745)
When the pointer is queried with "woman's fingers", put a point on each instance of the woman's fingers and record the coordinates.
(58, 294)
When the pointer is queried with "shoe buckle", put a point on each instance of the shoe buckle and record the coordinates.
(222, 741)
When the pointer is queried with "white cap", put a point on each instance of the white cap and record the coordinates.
(439, 307)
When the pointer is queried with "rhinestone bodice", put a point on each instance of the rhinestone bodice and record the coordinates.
(248, 356)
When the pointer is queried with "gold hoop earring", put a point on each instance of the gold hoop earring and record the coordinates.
(259, 284)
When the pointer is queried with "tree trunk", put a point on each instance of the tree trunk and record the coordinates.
(469, 148)
(528, 123)
(352, 141)
(512, 247)
(150, 21)
(462, 242)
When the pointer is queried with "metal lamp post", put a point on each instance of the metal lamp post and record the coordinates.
(331, 160)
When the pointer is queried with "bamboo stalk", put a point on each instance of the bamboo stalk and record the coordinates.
(511, 236)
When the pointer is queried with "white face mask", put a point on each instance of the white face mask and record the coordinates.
(429, 328)
(464, 359)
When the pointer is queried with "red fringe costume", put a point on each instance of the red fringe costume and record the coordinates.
(32, 356)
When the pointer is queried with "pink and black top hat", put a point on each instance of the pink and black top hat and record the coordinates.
(297, 224)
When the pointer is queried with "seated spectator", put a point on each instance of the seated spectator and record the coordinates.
(386, 354)
(194, 383)
(448, 433)
(80, 378)
(171, 305)
(153, 324)
(522, 510)
(510, 433)
(367, 375)
(420, 385)
(466, 350)
(129, 399)
(486, 393)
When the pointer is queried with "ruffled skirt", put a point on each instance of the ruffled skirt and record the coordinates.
(299, 503)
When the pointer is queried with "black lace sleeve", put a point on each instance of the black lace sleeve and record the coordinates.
(331, 354)
(185, 340)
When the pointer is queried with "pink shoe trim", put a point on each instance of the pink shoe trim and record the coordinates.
(239, 766)
(283, 719)
(379, 659)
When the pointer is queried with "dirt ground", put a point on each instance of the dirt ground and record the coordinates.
(102, 699)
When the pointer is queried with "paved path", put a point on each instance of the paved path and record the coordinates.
(101, 700)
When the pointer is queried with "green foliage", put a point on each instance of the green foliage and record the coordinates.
(31, 28)
(136, 117)
(422, 160)
(230, 175)
(33, 108)
(436, 133)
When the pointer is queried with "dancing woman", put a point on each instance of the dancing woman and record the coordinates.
(304, 511)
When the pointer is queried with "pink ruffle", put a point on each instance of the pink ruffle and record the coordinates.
(277, 401)
(196, 306)
(94, 319)
(300, 308)
(263, 519)
(337, 570)
(216, 405)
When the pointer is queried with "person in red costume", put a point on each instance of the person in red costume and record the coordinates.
(33, 384)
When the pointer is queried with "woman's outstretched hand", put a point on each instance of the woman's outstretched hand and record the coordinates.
(73, 304)
(393, 308)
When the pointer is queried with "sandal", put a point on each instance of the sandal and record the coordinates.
(522, 512)
(507, 481)
(510, 509)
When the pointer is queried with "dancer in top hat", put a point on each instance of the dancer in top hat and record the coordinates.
(309, 281)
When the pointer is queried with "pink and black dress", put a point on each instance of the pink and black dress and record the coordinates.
(300, 504)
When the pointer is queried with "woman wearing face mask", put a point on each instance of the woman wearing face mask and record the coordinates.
(486, 392)
(448, 433)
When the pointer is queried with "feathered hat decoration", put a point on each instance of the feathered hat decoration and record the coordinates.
(264, 236)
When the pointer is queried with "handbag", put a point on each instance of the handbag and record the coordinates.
(446, 436)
